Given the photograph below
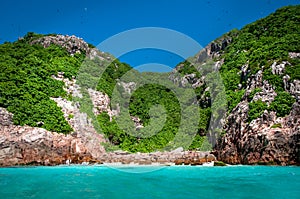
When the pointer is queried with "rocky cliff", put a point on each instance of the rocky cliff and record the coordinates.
(262, 126)
(268, 139)
(24, 145)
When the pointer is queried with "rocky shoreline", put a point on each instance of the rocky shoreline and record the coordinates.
(24, 145)
(36, 146)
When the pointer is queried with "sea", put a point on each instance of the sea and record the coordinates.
(150, 182)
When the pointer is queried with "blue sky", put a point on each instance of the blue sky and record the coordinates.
(96, 21)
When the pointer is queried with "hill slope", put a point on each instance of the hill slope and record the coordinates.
(260, 66)
(246, 86)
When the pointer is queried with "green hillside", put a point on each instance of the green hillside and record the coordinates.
(259, 44)
(26, 84)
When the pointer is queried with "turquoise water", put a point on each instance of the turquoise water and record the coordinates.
(137, 182)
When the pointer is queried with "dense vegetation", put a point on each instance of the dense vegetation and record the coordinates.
(160, 127)
(141, 102)
(258, 45)
(26, 84)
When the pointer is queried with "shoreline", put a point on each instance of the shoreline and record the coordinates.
(115, 165)
(120, 166)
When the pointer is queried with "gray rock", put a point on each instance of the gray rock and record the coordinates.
(178, 150)
(72, 43)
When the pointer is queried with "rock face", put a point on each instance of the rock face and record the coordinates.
(101, 103)
(172, 157)
(214, 49)
(128, 87)
(266, 140)
(267, 94)
(22, 145)
(80, 123)
(72, 43)
(28, 145)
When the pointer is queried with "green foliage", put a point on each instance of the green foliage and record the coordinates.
(140, 103)
(204, 120)
(200, 143)
(186, 68)
(256, 109)
(164, 126)
(275, 80)
(260, 44)
(219, 164)
(109, 147)
(293, 70)
(233, 98)
(91, 45)
(152, 94)
(111, 129)
(282, 104)
(26, 84)
(277, 125)
(256, 45)
(251, 95)
(197, 142)
(30, 36)
(114, 71)
(231, 78)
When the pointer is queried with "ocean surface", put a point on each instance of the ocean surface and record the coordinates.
(150, 182)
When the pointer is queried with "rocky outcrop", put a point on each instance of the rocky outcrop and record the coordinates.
(70, 85)
(95, 53)
(266, 140)
(161, 158)
(22, 145)
(294, 55)
(294, 88)
(80, 123)
(279, 69)
(128, 87)
(72, 43)
(30, 145)
(6, 118)
(267, 94)
(214, 49)
(101, 103)
(137, 122)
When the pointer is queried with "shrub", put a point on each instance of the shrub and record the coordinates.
(277, 125)
(282, 104)
(256, 109)
(219, 164)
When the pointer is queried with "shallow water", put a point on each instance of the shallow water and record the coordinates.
(150, 182)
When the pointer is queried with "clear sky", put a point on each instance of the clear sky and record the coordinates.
(95, 21)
